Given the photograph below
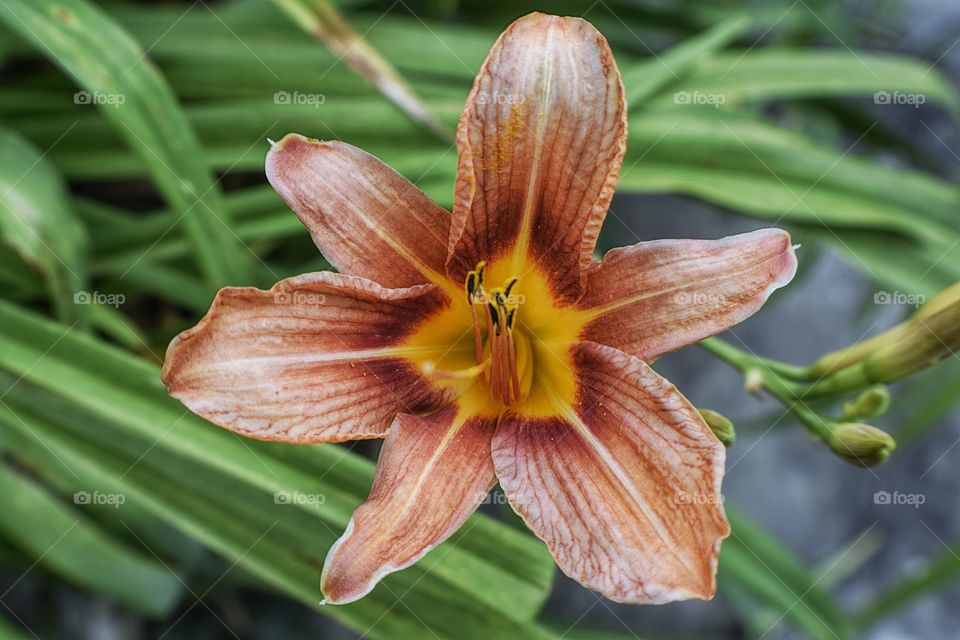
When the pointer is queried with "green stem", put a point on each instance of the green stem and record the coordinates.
(790, 394)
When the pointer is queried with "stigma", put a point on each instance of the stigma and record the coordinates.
(494, 313)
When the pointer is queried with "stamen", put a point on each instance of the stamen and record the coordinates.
(474, 287)
(495, 317)
(504, 376)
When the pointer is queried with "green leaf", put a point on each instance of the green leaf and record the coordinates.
(644, 80)
(896, 262)
(18, 279)
(113, 323)
(170, 283)
(781, 73)
(9, 632)
(762, 567)
(775, 199)
(117, 76)
(36, 219)
(738, 142)
(69, 544)
(938, 573)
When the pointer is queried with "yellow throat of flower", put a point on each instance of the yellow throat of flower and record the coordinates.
(505, 347)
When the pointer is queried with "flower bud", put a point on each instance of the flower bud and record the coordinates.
(871, 403)
(927, 337)
(720, 425)
(861, 444)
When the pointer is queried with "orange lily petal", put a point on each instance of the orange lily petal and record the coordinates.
(365, 218)
(656, 297)
(432, 474)
(540, 142)
(318, 358)
(624, 487)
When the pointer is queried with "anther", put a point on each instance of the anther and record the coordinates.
(471, 285)
(507, 289)
(495, 317)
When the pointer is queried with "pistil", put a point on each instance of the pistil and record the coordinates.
(430, 368)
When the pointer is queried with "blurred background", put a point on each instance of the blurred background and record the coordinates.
(132, 139)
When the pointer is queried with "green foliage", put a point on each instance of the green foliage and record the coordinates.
(36, 220)
(116, 76)
(69, 544)
(760, 566)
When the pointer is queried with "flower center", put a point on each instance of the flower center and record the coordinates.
(505, 354)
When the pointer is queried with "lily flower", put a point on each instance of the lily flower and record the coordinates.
(488, 345)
